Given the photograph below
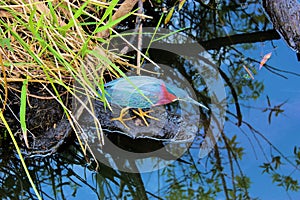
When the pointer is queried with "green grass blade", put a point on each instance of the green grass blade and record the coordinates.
(52, 12)
(20, 155)
(23, 111)
(109, 10)
(77, 14)
(112, 23)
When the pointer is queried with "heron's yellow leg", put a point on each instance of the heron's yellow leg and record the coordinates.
(143, 114)
(123, 112)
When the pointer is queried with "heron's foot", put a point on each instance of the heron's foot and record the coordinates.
(121, 119)
(144, 114)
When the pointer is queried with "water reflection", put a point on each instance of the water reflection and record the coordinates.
(225, 172)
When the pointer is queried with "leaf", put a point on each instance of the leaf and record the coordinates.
(277, 161)
(267, 168)
(169, 15)
(268, 99)
(264, 60)
(295, 150)
(77, 14)
(111, 23)
(181, 3)
(6, 42)
(23, 111)
(270, 117)
(249, 72)
(276, 178)
(109, 10)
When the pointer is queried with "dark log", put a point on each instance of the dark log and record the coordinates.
(138, 139)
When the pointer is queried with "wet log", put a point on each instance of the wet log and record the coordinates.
(139, 138)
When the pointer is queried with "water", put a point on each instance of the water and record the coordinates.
(233, 168)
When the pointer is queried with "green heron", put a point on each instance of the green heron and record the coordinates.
(141, 92)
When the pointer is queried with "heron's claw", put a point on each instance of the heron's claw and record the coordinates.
(123, 112)
(144, 114)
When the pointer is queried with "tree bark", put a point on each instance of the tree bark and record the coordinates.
(285, 16)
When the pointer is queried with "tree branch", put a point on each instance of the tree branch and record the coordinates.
(214, 44)
(259, 36)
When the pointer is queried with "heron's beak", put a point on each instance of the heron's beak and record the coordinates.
(189, 99)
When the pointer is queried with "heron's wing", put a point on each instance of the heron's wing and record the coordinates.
(134, 92)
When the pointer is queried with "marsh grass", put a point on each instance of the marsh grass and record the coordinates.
(49, 43)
